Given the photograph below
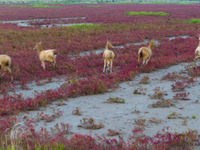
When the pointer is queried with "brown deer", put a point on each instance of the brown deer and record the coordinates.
(46, 55)
(108, 56)
(5, 64)
(197, 53)
(145, 53)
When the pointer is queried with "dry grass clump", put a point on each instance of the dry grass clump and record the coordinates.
(89, 123)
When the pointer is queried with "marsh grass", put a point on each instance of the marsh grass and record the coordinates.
(142, 13)
(83, 26)
(43, 6)
(93, 5)
(193, 21)
(14, 5)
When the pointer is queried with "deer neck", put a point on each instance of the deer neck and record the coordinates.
(39, 49)
(150, 46)
(107, 47)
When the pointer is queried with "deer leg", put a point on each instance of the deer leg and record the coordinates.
(2, 75)
(54, 62)
(143, 62)
(43, 65)
(147, 60)
(5, 71)
(104, 65)
(194, 65)
(108, 66)
(138, 60)
(111, 63)
(11, 77)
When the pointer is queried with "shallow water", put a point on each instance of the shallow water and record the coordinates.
(26, 23)
(175, 37)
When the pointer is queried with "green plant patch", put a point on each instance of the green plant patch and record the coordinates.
(142, 13)
(187, 3)
(14, 5)
(43, 6)
(193, 21)
(93, 5)
(84, 26)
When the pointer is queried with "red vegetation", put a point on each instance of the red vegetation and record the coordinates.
(86, 71)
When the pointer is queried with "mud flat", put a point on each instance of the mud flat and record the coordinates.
(123, 117)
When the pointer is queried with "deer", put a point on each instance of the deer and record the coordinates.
(145, 53)
(5, 65)
(46, 55)
(108, 57)
(197, 53)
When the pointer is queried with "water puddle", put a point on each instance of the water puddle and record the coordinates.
(176, 37)
(58, 22)
(63, 25)
(146, 42)
(33, 88)
(99, 51)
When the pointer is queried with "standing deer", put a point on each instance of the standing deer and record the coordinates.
(145, 53)
(5, 64)
(46, 55)
(197, 53)
(108, 56)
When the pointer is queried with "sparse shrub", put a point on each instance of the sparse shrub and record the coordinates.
(178, 86)
(76, 112)
(158, 93)
(173, 115)
(140, 91)
(172, 76)
(140, 122)
(181, 96)
(113, 132)
(185, 122)
(49, 118)
(115, 100)
(162, 103)
(145, 80)
(89, 123)
(63, 128)
(135, 111)
(60, 103)
(155, 120)
(194, 116)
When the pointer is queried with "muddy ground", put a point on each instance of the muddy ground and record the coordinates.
(137, 108)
